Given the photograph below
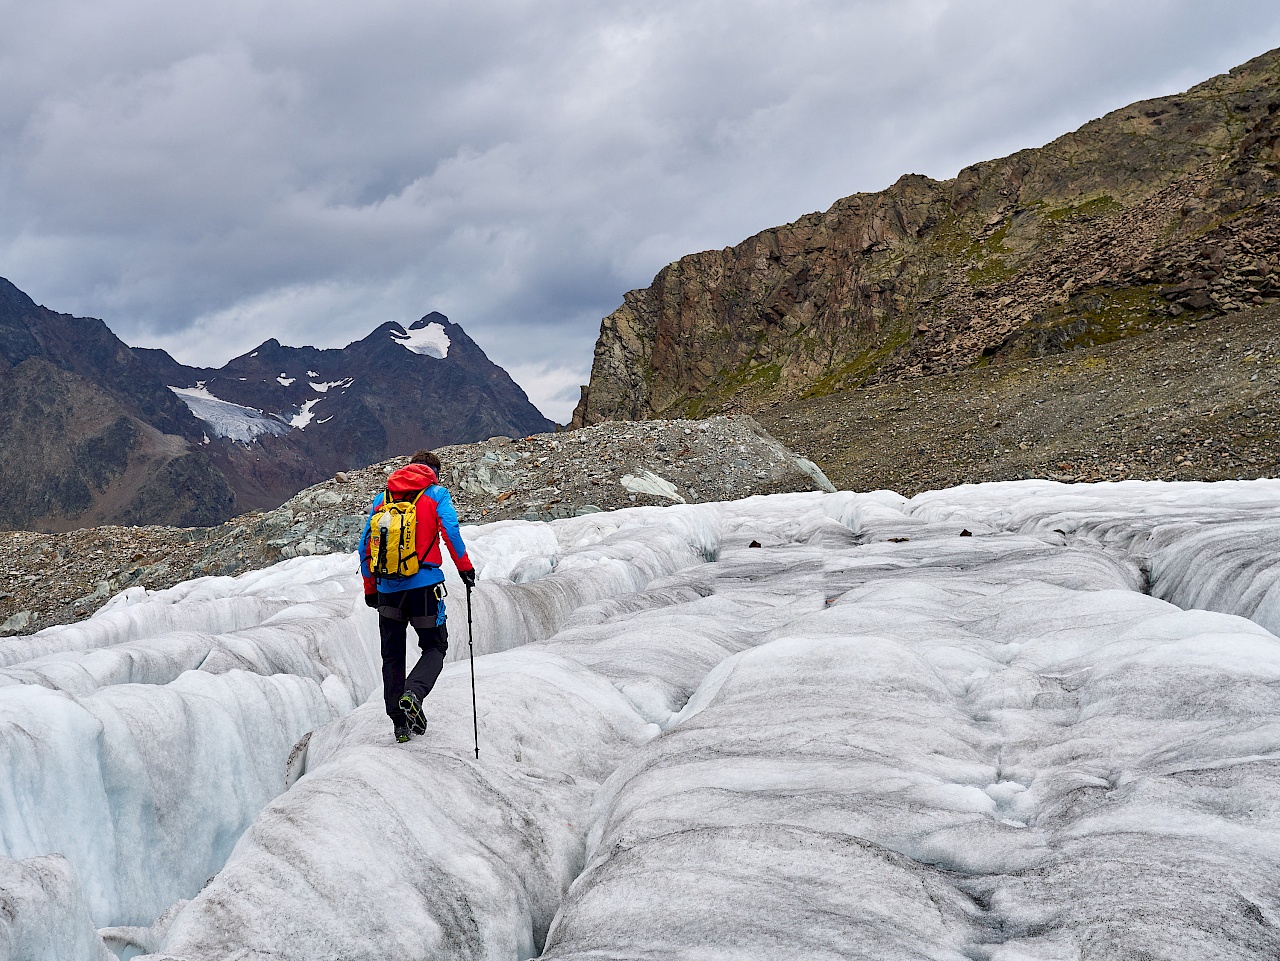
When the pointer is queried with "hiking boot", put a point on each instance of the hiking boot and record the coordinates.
(411, 706)
(402, 734)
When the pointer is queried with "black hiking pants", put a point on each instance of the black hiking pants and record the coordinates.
(419, 607)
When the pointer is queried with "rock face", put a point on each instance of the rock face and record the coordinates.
(94, 432)
(1164, 210)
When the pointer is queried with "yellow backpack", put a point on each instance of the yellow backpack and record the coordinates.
(393, 540)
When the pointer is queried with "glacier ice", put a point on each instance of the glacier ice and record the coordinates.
(43, 914)
(226, 419)
(1214, 546)
(163, 725)
(1005, 721)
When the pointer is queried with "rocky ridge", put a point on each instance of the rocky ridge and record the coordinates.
(95, 432)
(423, 385)
(1164, 211)
(61, 578)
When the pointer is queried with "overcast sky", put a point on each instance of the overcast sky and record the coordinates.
(205, 176)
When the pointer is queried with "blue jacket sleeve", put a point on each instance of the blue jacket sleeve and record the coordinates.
(449, 527)
(364, 540)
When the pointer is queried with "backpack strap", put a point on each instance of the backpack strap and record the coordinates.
(376, 560)
(435, 538)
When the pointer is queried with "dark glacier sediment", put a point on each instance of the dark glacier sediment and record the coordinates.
(1002, 722)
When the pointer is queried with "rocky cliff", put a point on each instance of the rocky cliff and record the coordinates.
(1162, 212)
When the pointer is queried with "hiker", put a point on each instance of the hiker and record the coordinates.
(407, 587)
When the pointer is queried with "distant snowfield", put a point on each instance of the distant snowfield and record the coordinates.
(321, 387)
(239, 423)
(226, 419)
(430, 339)
(1006, 722)
(303, 417)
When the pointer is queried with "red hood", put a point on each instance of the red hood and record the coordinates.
(412, 477)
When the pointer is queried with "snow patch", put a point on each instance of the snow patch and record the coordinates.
(284, 381)
(430, 340)
(226, 419)
(303, 417)
(323, 387)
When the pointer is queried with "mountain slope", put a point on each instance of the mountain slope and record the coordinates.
(96, 432)
(316, 411)
(1187, 403)
(1162, 211)
(88, 436)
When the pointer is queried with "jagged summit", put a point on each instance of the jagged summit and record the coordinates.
(269, 344)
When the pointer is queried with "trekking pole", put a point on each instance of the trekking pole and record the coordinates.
(471, 647)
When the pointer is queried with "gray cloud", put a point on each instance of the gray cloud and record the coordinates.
(203, 177)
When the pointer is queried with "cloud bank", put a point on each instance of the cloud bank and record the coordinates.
(203, 177)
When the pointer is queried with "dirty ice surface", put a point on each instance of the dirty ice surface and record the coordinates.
(1009, 721)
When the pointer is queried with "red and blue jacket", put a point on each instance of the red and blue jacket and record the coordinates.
(437, 521)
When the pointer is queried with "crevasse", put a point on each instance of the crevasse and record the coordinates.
(870, 733)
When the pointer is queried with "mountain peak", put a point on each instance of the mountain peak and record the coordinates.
(270, 344)
(435, 317)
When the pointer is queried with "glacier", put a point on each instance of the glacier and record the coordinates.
(1007, 721)
(225, 419)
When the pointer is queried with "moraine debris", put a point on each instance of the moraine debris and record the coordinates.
(538, 478)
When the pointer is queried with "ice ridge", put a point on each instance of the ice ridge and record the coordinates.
(1004, 722)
